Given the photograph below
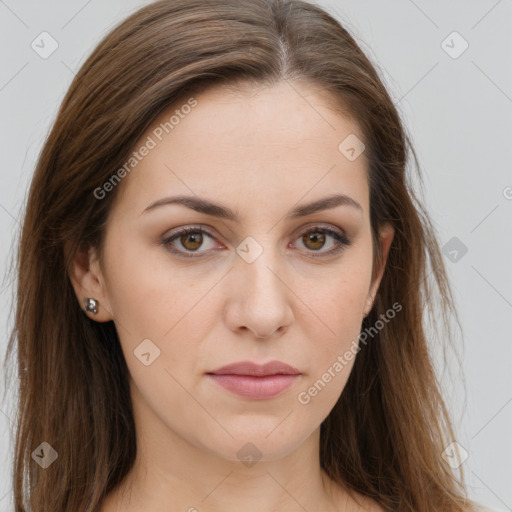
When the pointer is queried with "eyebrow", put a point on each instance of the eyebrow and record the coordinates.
(223, 212)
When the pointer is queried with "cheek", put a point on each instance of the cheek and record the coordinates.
(338, 304)
(160, 310)
(147, 294)
(338, 298)
(332, 353)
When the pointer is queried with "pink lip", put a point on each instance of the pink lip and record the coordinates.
(256, 381)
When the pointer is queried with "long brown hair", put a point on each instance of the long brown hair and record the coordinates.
(385, 436)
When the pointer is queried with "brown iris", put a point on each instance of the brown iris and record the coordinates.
(195, 238)
(316, 237)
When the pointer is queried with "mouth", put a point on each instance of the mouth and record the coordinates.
(254, 381)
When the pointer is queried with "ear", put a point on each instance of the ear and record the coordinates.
(386, 235)
(87, 279)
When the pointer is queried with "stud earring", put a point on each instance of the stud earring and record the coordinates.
(91, 305)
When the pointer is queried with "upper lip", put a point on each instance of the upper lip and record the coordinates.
(260, 370)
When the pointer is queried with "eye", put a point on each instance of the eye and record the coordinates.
(192, 238)
(315, 239)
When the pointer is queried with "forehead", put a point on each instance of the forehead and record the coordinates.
(256, 145)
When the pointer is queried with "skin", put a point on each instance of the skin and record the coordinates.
(259, 151)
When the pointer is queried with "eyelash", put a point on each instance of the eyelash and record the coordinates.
(340, 238)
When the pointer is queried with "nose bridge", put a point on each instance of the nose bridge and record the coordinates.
(261, 295)
(260, 262)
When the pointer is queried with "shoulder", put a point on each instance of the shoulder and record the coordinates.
(372, 506)
(478, 507)
(367, 504)
(352, 501)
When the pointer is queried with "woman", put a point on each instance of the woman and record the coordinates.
(221, 279)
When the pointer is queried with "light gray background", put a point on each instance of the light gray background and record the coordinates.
(458, 111)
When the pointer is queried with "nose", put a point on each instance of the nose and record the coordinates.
(259, 300)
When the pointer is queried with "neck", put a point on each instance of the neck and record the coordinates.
(171, 474)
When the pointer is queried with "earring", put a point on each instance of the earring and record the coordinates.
(91, 305)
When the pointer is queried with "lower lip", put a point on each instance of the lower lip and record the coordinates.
(256, 388)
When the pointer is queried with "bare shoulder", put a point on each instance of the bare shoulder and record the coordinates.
(478, 507)
(369, 505)
(373, 506)
(361, 503)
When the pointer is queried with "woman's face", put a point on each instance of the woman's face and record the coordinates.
(264, 283)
